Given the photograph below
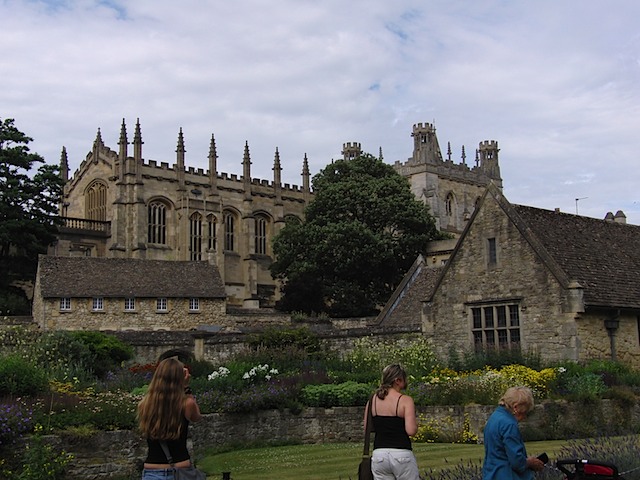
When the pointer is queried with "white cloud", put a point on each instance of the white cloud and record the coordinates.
(556, 83)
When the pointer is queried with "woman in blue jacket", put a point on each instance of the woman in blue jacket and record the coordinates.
(505, 456)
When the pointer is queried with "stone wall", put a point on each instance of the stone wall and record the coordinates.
(145, 316)
(111, 455)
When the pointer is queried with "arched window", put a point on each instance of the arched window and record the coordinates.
(96, 202)
(157, 223)
(229, 227)
(449, 204)
(195, 236)
(261, 225)
(211, 232)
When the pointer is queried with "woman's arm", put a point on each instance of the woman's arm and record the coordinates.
(191, 409)
(410, 422)
(366, 417)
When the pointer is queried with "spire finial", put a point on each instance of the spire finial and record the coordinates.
(98, 140)
(180, 148)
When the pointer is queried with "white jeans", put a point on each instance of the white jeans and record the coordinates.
(394, 464)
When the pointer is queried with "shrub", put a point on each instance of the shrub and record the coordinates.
(42, 461)
(330, 395)
(371, 355)
(104, 411)
(15, 420)
(106, 352)
(280, 393)
(494, 358)
(278, 338)
(20, 377)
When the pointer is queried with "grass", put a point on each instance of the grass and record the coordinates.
(338, 461)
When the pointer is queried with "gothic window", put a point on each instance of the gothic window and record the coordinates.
(229, 231)
(96, 202)
(292, 220)
(261, 225)
(496, 326)
(448, 204)
(195, 236)
(157, 223)
(211, 232)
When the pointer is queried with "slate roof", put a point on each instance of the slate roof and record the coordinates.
(405, 306)
(603, 256)
(86, 277)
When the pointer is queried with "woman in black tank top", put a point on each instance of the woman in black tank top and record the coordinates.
(394, 421)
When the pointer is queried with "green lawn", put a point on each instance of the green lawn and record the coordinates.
(337, 461)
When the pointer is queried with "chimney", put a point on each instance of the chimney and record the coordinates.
(620, 217)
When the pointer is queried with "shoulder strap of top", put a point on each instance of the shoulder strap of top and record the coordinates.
(397, 404)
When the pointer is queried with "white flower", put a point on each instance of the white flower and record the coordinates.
(246, 376)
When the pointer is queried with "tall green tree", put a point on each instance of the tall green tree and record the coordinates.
(28, 213)
(361, 233)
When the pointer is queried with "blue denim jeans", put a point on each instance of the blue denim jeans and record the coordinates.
(157, 474)
(394, 464)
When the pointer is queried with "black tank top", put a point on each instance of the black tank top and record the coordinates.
(177, 448)
(390, 432)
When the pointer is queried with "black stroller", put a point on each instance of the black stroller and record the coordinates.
(581, 469)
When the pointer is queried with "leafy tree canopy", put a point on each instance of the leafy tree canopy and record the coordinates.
(28, 206)
(361, 233)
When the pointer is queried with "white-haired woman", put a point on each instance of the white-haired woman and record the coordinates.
(505, 456)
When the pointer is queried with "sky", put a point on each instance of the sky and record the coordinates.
(556, 83)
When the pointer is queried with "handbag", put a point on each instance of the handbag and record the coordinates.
(187, 473)
(364, 469)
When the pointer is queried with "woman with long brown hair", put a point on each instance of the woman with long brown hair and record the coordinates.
(164, 415)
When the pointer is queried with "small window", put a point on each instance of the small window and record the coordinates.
(129, 304)
(98, 304)
(161, 304)
(65, 304)
(194, 304)
(493, 254)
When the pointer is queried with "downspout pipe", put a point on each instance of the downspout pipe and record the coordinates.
(612, 324)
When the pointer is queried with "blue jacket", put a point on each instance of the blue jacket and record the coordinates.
(505, 456)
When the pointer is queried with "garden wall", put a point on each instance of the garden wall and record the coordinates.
(118, 455)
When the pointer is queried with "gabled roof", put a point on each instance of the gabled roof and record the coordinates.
(404, 306)
(601, 255)
(124, 277)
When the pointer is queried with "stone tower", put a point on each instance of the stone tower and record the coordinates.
(450, 189)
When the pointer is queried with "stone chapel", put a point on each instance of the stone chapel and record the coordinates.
(120, 205)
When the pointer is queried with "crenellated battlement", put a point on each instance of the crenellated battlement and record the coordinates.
(488, 145)
(423, 128)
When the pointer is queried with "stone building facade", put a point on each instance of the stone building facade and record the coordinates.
(451, 190)
(78, 293)
(559, 285)
(118, 205)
